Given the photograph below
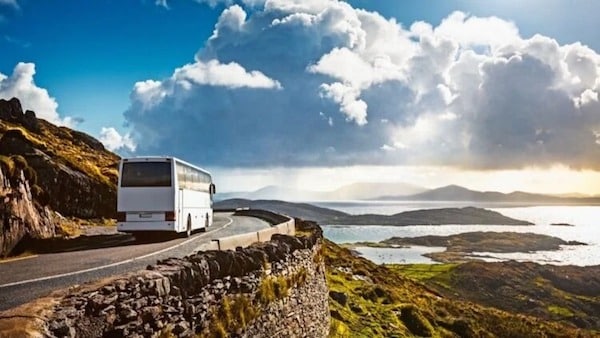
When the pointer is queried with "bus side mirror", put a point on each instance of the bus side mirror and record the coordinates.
(213, 189)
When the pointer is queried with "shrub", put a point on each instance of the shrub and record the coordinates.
(7, 166)
(19, 161)
(30, 175)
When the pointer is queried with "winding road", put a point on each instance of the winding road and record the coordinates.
(34, 276)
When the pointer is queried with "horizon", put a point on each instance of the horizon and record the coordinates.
(321, 94)
(573, 194)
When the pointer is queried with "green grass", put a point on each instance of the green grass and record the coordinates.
(560, 311)
(393, 302)
(422, 272)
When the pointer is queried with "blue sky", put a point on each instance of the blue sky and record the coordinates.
(93, 57)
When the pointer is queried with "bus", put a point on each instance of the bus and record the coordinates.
(163, 194)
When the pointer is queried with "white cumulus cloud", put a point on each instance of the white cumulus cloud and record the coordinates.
(469, 92)
(21, 84)
(114, 141)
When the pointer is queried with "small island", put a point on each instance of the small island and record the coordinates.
(562, 224)
(459, 248)
(463, 216)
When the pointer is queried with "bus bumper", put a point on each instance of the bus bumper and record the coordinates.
(146, 226)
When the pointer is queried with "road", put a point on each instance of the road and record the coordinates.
(35, 276)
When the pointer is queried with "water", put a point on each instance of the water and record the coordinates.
(585, 218)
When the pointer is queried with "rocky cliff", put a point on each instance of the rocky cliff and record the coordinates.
(69, 171)
(20, 217)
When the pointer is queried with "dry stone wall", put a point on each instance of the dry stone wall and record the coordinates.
(271, 289)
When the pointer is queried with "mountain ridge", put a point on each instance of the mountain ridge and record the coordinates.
(373, 191)
(467, 215)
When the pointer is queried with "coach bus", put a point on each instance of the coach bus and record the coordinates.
(163, 194)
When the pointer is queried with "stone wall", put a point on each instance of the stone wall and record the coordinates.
(271, 289)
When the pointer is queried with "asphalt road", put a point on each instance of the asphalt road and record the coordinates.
(35, 276)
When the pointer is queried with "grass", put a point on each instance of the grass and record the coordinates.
(393, 302)
(59, 143)
(421, 272)
(560, 311)
(235, 312)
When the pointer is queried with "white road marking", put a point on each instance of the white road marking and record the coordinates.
(116, 263)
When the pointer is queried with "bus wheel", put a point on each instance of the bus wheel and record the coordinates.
(205, 223)
(188, 232)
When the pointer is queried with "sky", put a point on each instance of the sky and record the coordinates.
(315, 94)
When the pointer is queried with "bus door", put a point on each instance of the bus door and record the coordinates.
(182, 222)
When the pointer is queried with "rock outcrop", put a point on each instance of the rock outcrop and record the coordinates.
(76, 174)
(12, 111)
(20, 217)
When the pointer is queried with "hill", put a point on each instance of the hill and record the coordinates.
(355, 191)
(468, 215)
(569, 294)
(458, 193)
(369, 300)
(76, 175)
(48, 172)
(300, 210)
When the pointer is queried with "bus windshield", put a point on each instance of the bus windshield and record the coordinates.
(146, 174)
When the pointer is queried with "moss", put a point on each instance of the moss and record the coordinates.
(19, 161)
(7, 166)
(415, 321)
(30, 175)
(233, 315)
(560, 311)
(166, 332)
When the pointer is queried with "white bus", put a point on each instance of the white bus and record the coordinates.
(163, 194)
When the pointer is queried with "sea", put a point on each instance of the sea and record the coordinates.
(585, 221)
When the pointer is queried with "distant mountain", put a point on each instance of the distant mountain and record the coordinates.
(458, 193)
(366, 191)
(469, 215)
(355, 191)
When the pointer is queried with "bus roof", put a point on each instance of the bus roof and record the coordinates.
(175, 159)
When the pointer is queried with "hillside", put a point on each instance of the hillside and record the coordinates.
(369, 300)
(569, 294)
(468, 215)
(46, 173)
(70, 171)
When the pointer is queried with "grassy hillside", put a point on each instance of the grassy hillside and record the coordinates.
(72, 172)
(72, 148)
(367, 300)
(569, 294)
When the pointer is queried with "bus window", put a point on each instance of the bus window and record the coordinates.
(146, 174)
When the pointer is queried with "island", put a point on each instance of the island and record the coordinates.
(440, 216)
(459, 247)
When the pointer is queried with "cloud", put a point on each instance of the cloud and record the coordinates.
(114, 141)
(320, 83)
(10, 3)
(213, 3)
(20, 84)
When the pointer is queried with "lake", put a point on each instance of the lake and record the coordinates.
(585, 218)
